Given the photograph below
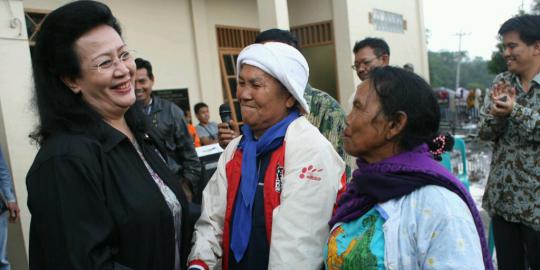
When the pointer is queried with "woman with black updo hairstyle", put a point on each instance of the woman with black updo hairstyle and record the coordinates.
(99, 190)
(402, 210)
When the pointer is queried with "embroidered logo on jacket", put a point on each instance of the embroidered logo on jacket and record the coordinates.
(310, 173)
(279, 178)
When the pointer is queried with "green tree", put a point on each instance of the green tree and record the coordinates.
(497, 64)
(442, 70)
(535, 7)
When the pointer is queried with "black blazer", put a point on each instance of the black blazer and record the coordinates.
(95, 206)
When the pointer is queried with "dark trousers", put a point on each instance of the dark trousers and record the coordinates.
(518, 246)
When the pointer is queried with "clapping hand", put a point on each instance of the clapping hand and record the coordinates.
(503, 98)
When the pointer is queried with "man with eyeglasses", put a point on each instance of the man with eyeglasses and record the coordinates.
(169, 120)
(370, 53)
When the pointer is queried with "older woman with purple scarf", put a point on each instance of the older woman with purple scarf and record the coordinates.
(402, 210)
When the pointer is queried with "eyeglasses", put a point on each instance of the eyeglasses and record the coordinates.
(107, 63)
(366, 63)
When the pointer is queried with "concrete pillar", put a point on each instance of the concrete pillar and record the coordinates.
(207, 60)
(17, 118)
(273, 14)
(424, 69)
(346, 77)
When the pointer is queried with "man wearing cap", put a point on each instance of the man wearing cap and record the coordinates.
(269, 202)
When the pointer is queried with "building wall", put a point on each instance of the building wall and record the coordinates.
(322, 69)
(16, 119)
(309, 11)
(407, 47)
(351, 23)
(206, 15)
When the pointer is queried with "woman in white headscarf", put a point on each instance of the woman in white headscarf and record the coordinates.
(270, 200)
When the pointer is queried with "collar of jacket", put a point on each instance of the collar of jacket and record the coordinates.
(107, 135)
(157, 104)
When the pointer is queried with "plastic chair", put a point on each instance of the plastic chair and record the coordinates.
(460, 147)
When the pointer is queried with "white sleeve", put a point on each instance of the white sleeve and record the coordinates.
(300, 224)
(446, 224)
(208, 232)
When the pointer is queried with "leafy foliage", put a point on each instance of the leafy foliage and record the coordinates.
(497, 64)
(443, 65)
(535, 7)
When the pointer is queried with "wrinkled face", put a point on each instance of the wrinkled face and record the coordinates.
(143, 86)
(263, 101)
(365, 60)
(203, 115)
(518, 55)
(364, 136)
(107, 72)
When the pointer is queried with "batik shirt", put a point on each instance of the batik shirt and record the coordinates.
(328, 116)
(513, 189)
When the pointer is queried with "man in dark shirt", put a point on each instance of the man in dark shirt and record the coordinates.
(168, 119)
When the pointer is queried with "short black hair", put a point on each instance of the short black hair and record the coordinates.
(141, 63)
(199, 106)
(54, 58)
(527, 26)
(379, 46)
(401, 90)
(277, 35)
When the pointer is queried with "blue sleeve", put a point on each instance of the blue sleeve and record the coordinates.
(6, 184)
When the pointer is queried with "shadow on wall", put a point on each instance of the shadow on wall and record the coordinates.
(16, 251)
(322, 68)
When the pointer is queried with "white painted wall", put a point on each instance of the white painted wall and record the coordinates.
(16, 119)
(407, 47)
(309, 11)
(238, 13)
(346, 77)
(273, 14)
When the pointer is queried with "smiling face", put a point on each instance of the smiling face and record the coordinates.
(263, 101)
(143, 86)
(368, 134)
(519, 56)
(109, 91)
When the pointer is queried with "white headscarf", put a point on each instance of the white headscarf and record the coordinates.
(281, 61)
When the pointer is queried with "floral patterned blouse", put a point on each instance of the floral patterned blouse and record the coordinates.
(172, 202)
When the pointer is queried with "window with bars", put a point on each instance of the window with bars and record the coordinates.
(231, 40)
(315, 34)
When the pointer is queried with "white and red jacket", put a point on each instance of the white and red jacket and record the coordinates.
(301, 184)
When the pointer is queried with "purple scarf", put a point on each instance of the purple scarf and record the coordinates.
(398, 176)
